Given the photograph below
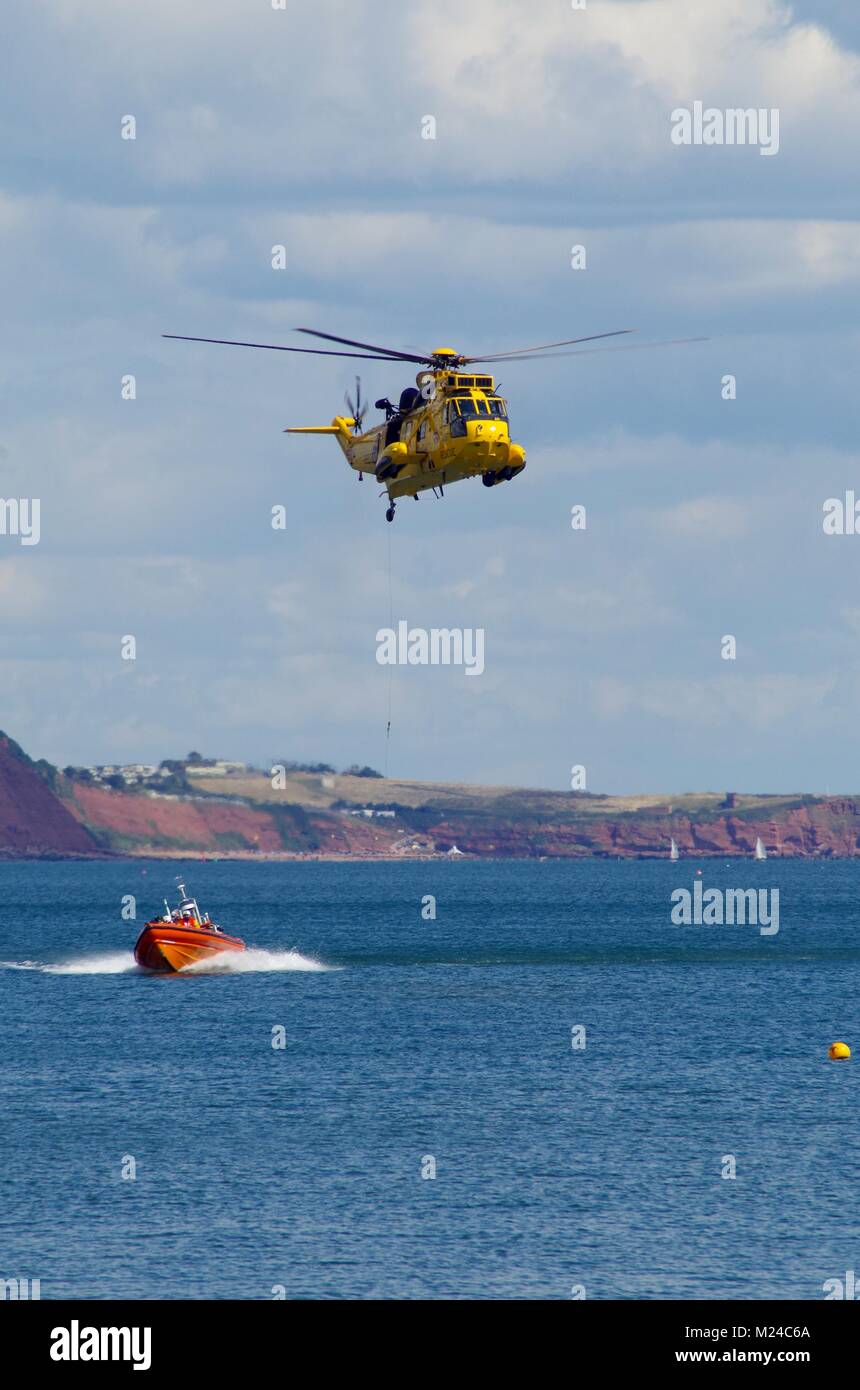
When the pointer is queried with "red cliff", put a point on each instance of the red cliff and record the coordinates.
(33, 818)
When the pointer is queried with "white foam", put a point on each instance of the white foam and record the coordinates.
(251, 961)
(228, 963)
(115, 963)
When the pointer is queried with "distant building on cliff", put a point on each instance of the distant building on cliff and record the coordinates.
(217, 767)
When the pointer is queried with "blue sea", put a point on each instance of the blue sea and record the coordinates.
(416, 1045)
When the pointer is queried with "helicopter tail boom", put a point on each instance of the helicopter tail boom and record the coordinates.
(341, 427)
(313, 429)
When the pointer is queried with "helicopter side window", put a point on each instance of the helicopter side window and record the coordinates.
(497, 407)
(458, 423)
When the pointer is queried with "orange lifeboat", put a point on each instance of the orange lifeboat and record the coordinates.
(183, 936)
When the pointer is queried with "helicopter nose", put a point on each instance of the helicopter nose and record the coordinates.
(488, 438)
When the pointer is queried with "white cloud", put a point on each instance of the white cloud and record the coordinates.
(538, 92)
(25, 594)
(717, 519)
(730, 700)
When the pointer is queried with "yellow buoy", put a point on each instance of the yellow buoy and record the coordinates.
(839, 1051)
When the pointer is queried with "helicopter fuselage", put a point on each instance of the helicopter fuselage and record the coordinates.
(451, 426)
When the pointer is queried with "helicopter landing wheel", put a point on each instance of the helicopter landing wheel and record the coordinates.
(389, 515)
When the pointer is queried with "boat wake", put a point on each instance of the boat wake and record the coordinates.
(251, 961)
(112, 963)
(247, 962)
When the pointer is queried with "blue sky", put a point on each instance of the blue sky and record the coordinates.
(303, 127)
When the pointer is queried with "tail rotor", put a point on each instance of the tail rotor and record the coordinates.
(356, 408)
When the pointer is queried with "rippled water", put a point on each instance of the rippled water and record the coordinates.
(409, 1040)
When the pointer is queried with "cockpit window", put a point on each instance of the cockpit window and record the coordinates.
(471, 406)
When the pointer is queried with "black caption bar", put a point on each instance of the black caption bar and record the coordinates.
(63, 1339)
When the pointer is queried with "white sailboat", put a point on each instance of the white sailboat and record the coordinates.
(760, 851)
(673, 851)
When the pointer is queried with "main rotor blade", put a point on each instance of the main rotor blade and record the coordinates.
(369, 347)
(568, 342)
(589, 352)
(278, 347)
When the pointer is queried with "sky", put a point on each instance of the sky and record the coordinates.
(302, 127)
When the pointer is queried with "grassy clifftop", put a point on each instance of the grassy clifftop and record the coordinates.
(323, 792)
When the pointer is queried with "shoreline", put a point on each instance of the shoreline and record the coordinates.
(327, 857)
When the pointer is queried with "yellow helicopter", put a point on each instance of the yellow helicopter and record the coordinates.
(452, 424)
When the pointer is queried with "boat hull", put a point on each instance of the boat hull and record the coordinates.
(168, 947)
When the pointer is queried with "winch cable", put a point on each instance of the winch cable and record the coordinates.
(390, 668)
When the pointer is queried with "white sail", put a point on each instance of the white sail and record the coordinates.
(760, 851)
(673, 851)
